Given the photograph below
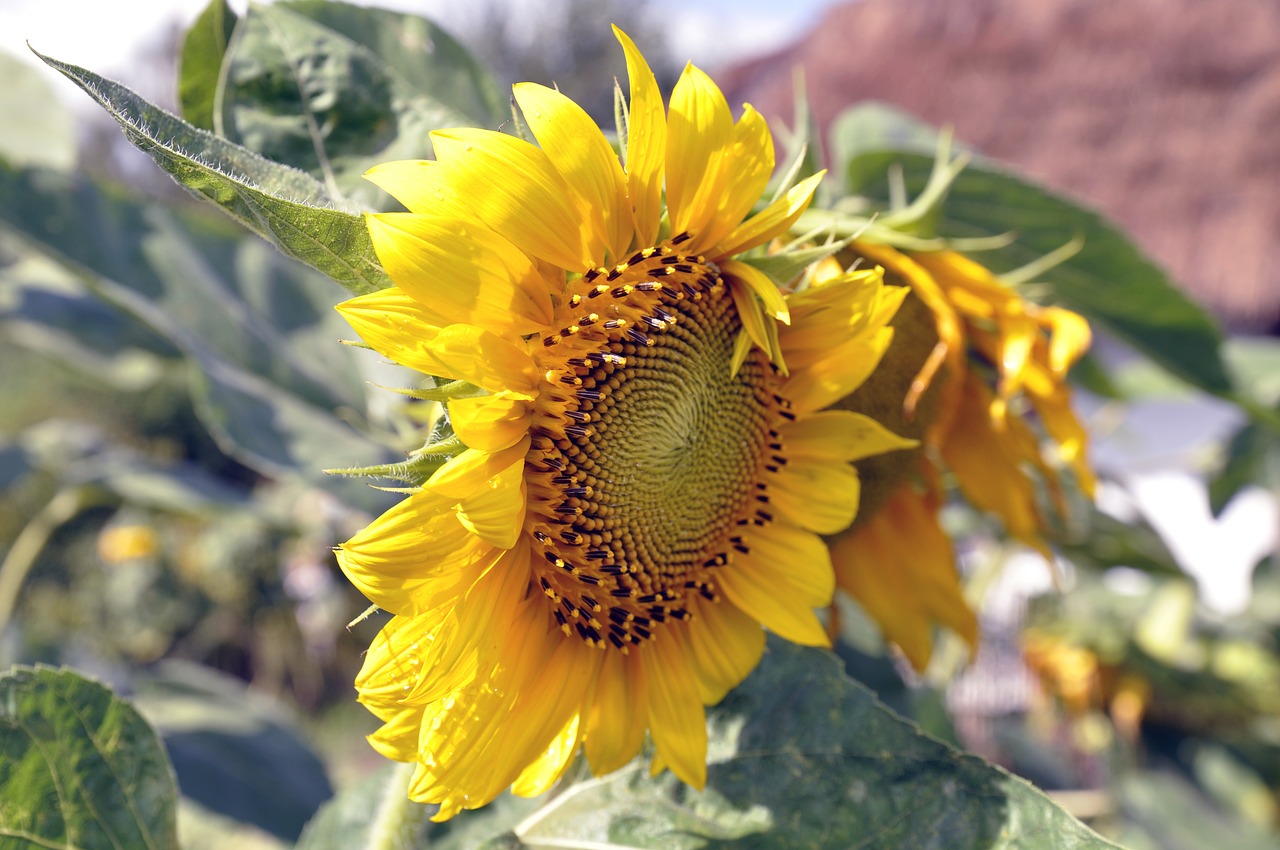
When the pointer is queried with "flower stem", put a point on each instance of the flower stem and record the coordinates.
(397, 816)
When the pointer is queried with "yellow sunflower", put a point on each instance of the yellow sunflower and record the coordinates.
(974, 368)
(645, 463)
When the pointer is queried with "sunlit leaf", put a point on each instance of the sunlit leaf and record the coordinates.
(800, 757)
(1110, 280)
(269, 379)
(281, 204)
(334, 89)
(200, 63)
(79, 768)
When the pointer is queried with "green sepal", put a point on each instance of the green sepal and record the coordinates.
(415, 470)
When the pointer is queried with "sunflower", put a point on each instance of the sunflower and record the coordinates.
(642, 466)
(977, 372)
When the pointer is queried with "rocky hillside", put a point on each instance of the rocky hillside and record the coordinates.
(1165, 114)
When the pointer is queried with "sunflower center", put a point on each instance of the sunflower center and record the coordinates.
(647, 455)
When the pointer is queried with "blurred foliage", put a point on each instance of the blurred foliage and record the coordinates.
(172, 388)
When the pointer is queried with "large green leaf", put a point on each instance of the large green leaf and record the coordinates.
(282, 204)
(79, 768)
(800, 757)
(235, 752)
(200, 63)
(269, 379)
(334, 89)
(1110, 280)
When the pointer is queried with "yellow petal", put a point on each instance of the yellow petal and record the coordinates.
(512, 186)
(989, 464)
(700, 127)
(398, 737)
(820, 380)
(900, 567)
(396, 326)
(839, 435)
(793, 487)
(413, 661)
(583, 156)
(418, 184)
(646, 143)
(793, 557)
(773, 220)
(727, 645)
(760, 284)
(414, 557)
(496, 514)
(762, 329)
(483, 358)
(462, 272)
(540, 775)
(469, 472)
(618, 714)
(677, 720)
(1069, 339)
(490, 423)
(759, 588)
(735, 179)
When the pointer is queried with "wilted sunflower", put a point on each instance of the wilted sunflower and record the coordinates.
(974, 369)
(647, 465)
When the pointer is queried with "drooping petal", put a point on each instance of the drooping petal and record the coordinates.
(619, 713)
(899, 565)
(414, 557)
(762, 590)
(676, 717)
(462, 274)
(514, 188)
(583, 156)
(496, 514)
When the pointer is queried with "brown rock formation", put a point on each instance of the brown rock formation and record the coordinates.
(1165, 114)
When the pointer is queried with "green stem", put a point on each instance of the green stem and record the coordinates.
(31, 541)
(397, 816)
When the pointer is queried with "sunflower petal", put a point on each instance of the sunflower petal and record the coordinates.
(700, 128)
(646, 143)
(581, 153)
(676, 716)
(773, 220)
(513, 187)
(462, 274)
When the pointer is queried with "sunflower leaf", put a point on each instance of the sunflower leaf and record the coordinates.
(800, 756)
(334, 89)
(256, 330)
(79, 767)
(279, 203)
(200, 63)
(1110, 281)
